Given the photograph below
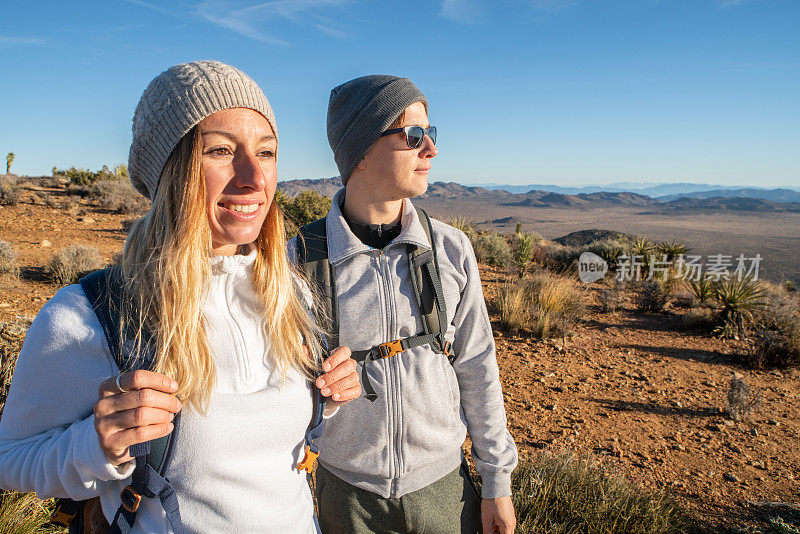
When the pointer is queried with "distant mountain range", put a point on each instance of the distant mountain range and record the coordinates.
(672, 190)
(739, 199)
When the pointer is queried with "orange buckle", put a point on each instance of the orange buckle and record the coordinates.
(308, 460)
(390, 348)
(447, 348)
(130, 499)
(62, 518)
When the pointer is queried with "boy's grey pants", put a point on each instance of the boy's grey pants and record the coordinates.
(448, 506)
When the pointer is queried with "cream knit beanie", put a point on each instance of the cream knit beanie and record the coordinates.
(174, 102)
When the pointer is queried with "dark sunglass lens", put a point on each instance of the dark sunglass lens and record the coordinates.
(415, 136)
(432, 134)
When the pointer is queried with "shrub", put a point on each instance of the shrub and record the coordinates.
(610, 250)
(23, 513)
(118, 195)
(84, 177)
(67, 265)
(9, 267)
(563, 493)
(561, 259)
(652, 297)
(741, 400)
(491, 248)
(9, 191)
(771, 349)
(612, 297)
(306, 207)
(705, 319)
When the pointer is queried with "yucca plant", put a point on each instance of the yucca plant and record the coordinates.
(523, 252)
(738, 300)
(460, 222)
(643, 247)
(702, 290)
(671, 249)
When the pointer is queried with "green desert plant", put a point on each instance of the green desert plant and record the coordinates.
(524, 251)
(68, 264)
(562, 493)
(737, 300)
(491, 248)
(9, 266)
(671, 249)
(702, 290)
(560, 259)
(306, 207)
(84, 177)
(643, 247)
(9, 161)
(118, 195)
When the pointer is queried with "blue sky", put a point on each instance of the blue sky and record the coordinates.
(565, 92)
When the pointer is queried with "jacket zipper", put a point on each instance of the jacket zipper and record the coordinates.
(244, 363)
(393, 378)
(387, 371)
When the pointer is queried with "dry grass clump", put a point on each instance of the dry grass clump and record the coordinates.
(545, 305)
(9, 266)
(68, 264)
(23, 513)
(563, 493)
(700, 318)
(491, 248)
(560, 259)
(11, 336)
(612, 297)
(9, 190)
(741, 400)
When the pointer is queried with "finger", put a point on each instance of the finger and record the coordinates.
(347, 395)
(337, 356)
(138, 379)
(125, 438)
(137, 417)
(338, 372)
(135, 399)
(348, 381)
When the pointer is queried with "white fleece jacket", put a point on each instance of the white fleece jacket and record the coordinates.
(233, 468)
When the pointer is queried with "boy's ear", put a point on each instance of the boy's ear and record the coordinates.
(362, 164)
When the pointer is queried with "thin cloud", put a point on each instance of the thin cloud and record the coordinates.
(552, 5)
(247, 20)
(153, 7)
(465, 11)
(4, 39)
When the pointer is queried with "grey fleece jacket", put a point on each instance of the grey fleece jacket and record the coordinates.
(411, 436)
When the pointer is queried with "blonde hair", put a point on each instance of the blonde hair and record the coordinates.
(167, 272)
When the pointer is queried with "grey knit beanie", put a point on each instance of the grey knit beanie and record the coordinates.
(174, 102)
(360, 110)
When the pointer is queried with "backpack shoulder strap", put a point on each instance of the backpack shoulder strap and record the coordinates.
(312, 257)
(424, 268)
(105, 291)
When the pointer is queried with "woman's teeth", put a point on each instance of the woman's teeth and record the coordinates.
(242, 208)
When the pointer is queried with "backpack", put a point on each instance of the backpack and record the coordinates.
(312, 256)
(104, 290)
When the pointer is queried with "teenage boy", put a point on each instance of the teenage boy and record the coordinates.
(414, 314)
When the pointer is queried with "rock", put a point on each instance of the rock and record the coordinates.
(45, 243)
(735, 448)
(86, 220)
(730, 477)
(773, 422)
(716, 427)
(550, 407)
(728, 422)
(737, 375)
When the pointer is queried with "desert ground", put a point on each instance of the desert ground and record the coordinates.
(638, 393)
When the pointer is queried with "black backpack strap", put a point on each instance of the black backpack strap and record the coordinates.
(105, 291)
(312, 256)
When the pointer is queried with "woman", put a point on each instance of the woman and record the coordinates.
(207, 279)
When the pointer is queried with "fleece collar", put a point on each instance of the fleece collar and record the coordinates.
(342, 243)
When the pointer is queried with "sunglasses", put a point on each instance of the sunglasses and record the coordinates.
(415, 135)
